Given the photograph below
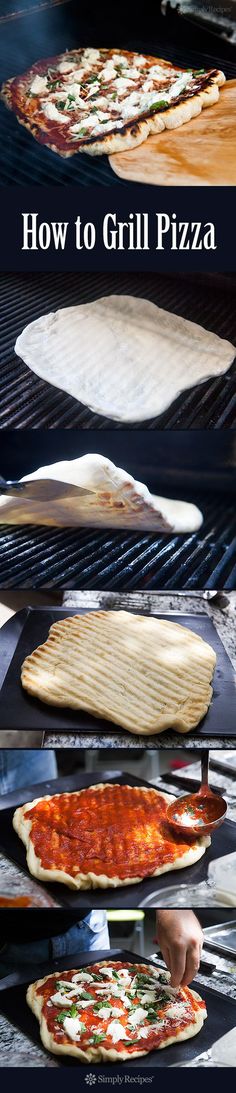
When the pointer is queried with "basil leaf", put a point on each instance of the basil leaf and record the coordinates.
(158, 105)
(99, 1005)
(54, 84)
(97, 1037)
(72, 1012)
(60, 104)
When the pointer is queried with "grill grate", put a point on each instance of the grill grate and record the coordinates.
(44, 557)
(28, 402)
(39, 33)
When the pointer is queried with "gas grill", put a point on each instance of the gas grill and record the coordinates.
(42, 30)
(170, 464)
(29, 402)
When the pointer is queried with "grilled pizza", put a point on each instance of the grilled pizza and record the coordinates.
(104, 836)
(105, 100)
(143, 673)
(113, 1010)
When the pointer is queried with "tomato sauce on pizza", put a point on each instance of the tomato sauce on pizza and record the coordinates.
(117, 1004)
(111, 830)
(84, 97)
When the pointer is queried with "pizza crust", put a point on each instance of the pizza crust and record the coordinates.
(82, 881)
(162, 355)
(135, 130)
(168, 684)
(114, 499)
(100, 1054)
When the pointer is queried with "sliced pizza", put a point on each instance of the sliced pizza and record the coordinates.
(104, 836)
(113, 1010)
(140, 672)
(107, 100)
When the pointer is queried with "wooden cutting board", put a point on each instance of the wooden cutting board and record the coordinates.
(200, 153)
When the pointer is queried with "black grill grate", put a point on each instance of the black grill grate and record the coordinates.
(28, 402)
(44, 557)
(54, 28)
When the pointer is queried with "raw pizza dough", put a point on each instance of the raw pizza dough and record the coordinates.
(127, 837)
(116, 500)
(122, 356)
(104, 100)
(143, 673)
(74, 1022)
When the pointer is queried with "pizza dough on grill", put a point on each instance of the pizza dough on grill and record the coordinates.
(127, 838)
(140, 672)
(122, 356)
(116, 500)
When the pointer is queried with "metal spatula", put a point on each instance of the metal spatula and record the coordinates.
(41, 489)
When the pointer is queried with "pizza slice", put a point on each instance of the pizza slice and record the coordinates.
(106, 836)
(105, 100)
(113, 1010)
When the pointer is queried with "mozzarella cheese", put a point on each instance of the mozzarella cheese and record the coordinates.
(109, 1011)
(137, 1016)
(53, 114)
(108, 72)
(148, 996)
(65, 66)
(39, 85)
(117, 1032)
(81, 977)
(177, 1009)
(122, 83)
(125, 976)
(60, 999)
(107, 972)
(91, 55)
(72, 1026)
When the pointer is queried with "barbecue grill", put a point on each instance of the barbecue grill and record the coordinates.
(29, 402)
(41, 30)
(204, 473)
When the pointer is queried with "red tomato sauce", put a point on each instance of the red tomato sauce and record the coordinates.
(93, 1022)
(116, 831)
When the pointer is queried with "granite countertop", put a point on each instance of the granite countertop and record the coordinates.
(18, 1051)
(221, 608)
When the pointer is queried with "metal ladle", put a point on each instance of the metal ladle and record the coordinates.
(213, 807)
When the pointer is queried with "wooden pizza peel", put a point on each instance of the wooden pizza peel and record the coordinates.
(200, 153)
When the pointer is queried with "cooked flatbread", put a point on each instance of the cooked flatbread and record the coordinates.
(105, 100)
(116, 500)
(127, 838)
(113, 1010)
(122, 356)
(142, 673)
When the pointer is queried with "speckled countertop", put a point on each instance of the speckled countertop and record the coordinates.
(220, 608)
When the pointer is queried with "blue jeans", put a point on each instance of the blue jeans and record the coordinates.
(20, 767)
(88, 934)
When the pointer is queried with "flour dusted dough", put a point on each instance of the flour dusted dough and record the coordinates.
(122, 356)
(116, 500)
(98, 1053)
(143, 673)
(23, 826)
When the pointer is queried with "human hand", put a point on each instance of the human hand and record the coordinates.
(180, 937)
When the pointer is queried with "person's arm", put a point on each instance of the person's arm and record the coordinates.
(180, 937)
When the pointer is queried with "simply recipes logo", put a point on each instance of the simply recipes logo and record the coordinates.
(118, 1079)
